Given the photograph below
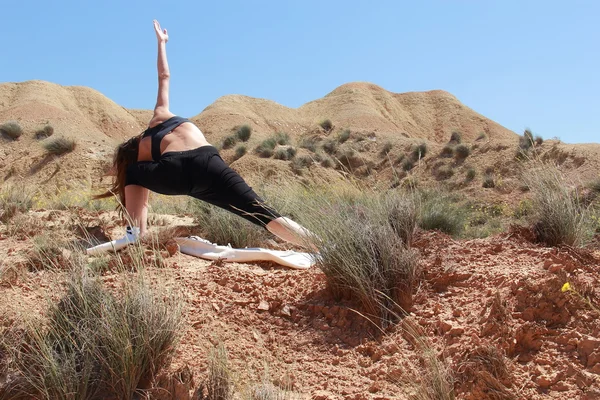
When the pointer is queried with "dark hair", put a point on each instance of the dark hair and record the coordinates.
(125, 155)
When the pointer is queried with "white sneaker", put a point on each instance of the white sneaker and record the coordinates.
(132, 235)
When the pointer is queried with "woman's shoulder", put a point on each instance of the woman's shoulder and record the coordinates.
(159, 117)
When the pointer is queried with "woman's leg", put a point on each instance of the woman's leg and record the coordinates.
(136, 203)
(292, 232)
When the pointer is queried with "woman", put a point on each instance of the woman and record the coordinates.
(173, 157)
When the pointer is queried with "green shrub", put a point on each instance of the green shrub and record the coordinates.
(462, 151)
(284, 153)
(309, 143)
(266, 147)
(12, 129)
(45, 132)
(387, 147)
(489, 181)
(344, 136)
(282, 138)
(60, 145)
(482, 136)
(443, 173)
(559, 218)
(219, 383)
(228, 142)
(526, 141)
(330, 146)
(447, 151)
(243, 133)
(299, 163)
(240, 151)
(94, 344)
(15, 199)
(438, 211)
(471, 173)
(419, 151)
(456, 137)
(326, 124)
(363, 248)
(407, 165)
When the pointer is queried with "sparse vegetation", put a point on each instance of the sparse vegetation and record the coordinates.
(447, 151)
(240, 151)
(15, 199)
(95, 345)
(326, 124)
(59, 145)
(284, 153)
(12, 129)
(407, 165)
(44, 132)
(443, 173)
(222, 227)
(282, 138)
(387, 147)
(243, 133)
(330, 146)
(462, 151)
(470, 175)
(488, 181)
(456, 137)
(363, 244)
(266, 148)
(482, 136)
(438, 211)
(309, 143)
(419, 151)
(228, 142)
(559, 216)
(344, 136)
(219, 383)
(299, 163)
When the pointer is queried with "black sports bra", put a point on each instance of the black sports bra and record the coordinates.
(159, 131)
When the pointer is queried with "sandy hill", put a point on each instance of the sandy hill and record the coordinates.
(363, 107)
(375, 116)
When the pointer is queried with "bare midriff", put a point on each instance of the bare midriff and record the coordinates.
(185, 137)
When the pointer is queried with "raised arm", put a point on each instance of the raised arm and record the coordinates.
(161, 109)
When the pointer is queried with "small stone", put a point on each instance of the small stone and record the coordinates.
(544, 381)
(456, 331)
(445, 326)
(263, 305)
(286, 310)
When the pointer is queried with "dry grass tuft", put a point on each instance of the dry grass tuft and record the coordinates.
(220, 383)
(59, 145)
(12, 129)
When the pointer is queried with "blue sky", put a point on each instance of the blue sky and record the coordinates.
(521, 63)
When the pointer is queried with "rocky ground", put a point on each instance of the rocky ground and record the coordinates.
(492, 310)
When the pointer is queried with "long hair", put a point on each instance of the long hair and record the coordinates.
(125, 155)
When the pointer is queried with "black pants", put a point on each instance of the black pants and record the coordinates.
(202, 174)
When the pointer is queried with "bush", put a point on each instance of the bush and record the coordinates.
(440, 212)
(471, 173)
(407, 165)
(299, 163)
(330, 146)
(456, 137)
(326, 124)
(327, 162)
(243, 133)
(60, 145)
(559, 216)
(344, 136)
(309, 143)
(419, 151)
(219, 383)
(443, 173)
(95, 345)
(12, 129)
(228, 142)
(488, 181)
(364, 248)
(538, 140)
(462, 151)
(284, 153)
(387, 147)
(526, 141)
(282, 138)
(14, 200)
(482, 136)
(45, 132)
(266, 147)
(447, 151)
(240, 151)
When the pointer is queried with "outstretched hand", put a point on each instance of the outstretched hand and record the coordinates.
(161, 35)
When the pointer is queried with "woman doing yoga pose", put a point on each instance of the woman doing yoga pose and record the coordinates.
(173, 157)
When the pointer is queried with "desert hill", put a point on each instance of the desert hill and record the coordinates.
(379, 122)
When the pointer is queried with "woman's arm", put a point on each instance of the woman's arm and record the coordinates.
(161, 109)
